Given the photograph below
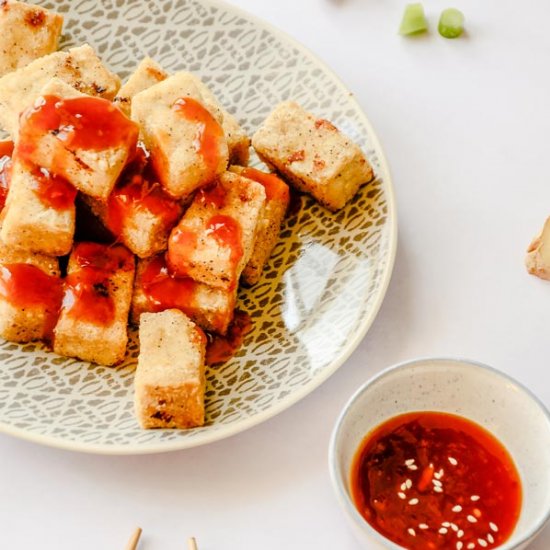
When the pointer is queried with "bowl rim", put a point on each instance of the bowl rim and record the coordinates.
(339, 484)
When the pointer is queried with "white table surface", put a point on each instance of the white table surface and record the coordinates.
(466, 128)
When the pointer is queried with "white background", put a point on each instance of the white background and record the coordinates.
(465, 125)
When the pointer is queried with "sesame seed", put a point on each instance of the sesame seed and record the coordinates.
(438, 489)
(457, 508)
(460, 534)
(403, 486)
(471, 545)
(471, 519)
(443, 531)
(453, 461)
(408, 483)
(446, 524)
(409, 461)
(454, 527)
(490, 538)
(437, 483)
(401, 495)
(412, 467)
(413, 501)
(459, 545)
(473, 498)
(411, 532)
(423, 526)
(482, 542)
(493, 527)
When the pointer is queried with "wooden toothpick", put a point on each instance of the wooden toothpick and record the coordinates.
(134, 539)
(192, 544)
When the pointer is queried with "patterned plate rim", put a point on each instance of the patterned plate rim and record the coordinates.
(204, 437)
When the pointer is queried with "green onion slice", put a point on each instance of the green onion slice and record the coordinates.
(451, 23)
(414, 20)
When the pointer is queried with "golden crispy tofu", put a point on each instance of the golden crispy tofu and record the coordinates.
(30, 294)
(147, 73)
(277, 199)
(312, 154)
(40, 212)
(170, 375)
(27, 32)
(84, 139)
(237, 140)
(79, 67)
(186, 140)
(156, 289)
(92, 324)
(214, 239)
(537, 261)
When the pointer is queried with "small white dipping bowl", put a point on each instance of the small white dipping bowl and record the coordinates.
(472, 390)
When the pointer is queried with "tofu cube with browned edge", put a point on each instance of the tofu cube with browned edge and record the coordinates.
(157, 289)
(30, 295)
(312, 154)
(27, 32)
(85, 139)
(147, 73)
(39, 215)
(276, 204)
(214, 239)
(93, 321)
(138, 212)
(185, 138)
(78, 67)
(170, 375)
(537, 261)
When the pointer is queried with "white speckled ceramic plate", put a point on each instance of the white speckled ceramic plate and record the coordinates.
(325, 281)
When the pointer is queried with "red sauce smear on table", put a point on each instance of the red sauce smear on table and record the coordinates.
(220, 349)
(88, 286)
(138, 189)
(208, 136)
(275, 188)
(430, 480)
(6, 152)
(26, 286)
(52, 190)
(89, 123)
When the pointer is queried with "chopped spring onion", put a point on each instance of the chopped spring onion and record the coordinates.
(414, 20)
(451, 23)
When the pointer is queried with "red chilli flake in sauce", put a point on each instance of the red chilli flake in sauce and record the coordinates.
(430, 480)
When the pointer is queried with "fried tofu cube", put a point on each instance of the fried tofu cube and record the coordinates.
(277, 199)
(30, 294)
(92, 324)
(84, 139)
(147, 73)
(237, 140)
(27, 32)
(537, 261)
(170, 376)
(186, 140)
(79, 67)
(157, 289)
(138, 212)
(40, 212)
(214, 239)
(312, 154)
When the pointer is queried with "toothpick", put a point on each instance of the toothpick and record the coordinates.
(133, 542)
(192, 544)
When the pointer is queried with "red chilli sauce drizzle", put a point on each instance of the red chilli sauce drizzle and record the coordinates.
(26, 286)
(430, 480)
(6, 152)
(138, 189)
(88, 287)
(275, 188)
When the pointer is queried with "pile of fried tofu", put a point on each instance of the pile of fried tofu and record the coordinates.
(190, 220)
